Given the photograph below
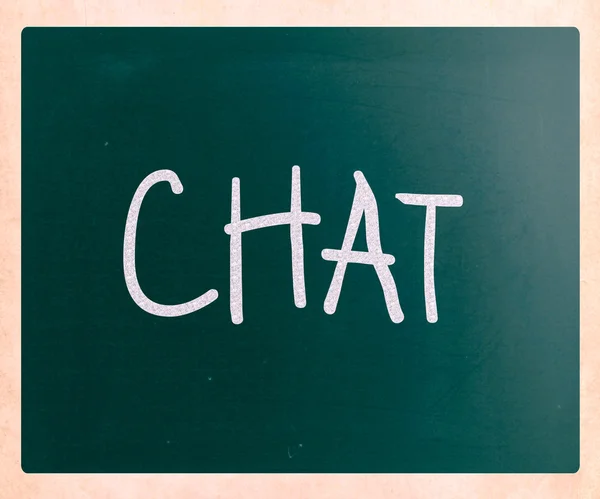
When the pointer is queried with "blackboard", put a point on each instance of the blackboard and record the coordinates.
(270, 376)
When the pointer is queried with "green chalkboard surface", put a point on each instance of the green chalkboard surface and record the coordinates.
(300, 250)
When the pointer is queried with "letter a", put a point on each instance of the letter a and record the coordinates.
(364, 202)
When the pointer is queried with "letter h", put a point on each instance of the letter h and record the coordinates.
(295, 218)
